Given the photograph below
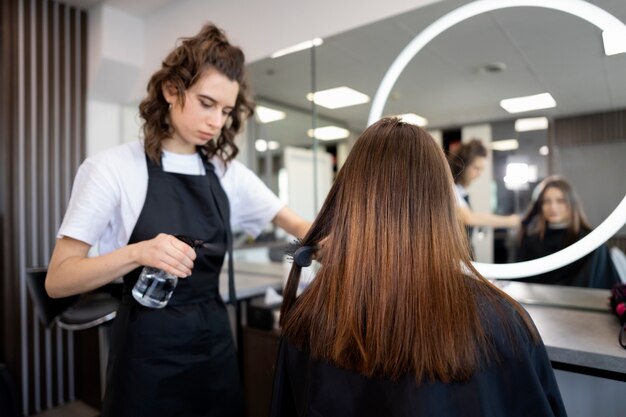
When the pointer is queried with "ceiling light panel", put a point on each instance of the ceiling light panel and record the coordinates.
(329, 133)
(528, 103)
(414, 119)
(531, 123)
(268, 115)
(339, 97)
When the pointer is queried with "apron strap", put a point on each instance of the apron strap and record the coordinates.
(221, 200)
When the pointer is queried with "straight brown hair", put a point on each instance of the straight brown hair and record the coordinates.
(396, 292)
(534, 223)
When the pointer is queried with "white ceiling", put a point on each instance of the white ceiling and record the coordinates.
(544, 50)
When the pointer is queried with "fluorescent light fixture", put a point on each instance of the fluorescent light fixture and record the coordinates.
(504, 145)
(614, 41)
(528, 103)
(531, 123)
(267, 114)
(544, 150)
(272, 145)
(328, 133)
(335, 98)
(298, 47)
(260, 145)
(516, 173)
(414, 119)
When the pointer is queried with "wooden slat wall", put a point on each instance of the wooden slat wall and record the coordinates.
(42, 138)
(596, 128)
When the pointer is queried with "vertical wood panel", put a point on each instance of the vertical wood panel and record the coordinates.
(42, 123)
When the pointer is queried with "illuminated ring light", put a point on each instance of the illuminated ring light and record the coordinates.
(606, 22)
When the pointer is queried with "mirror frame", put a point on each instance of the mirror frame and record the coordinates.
(603, 20)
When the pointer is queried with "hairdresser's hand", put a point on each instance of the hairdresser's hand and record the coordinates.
(167, 253)
(515, 220)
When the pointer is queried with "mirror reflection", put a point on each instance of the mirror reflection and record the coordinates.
(454, 87)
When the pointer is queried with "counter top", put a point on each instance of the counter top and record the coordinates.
(576, 324)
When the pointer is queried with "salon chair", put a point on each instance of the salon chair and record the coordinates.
(80, 312)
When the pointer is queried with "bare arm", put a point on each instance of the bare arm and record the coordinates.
(471, 218)
(287, 219)
(71, 272)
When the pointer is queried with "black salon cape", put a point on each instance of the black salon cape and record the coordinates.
(595, 270)
(523, 385)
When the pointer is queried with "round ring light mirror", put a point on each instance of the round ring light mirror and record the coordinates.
(610, 27)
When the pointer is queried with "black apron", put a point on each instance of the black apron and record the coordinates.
(179, 360)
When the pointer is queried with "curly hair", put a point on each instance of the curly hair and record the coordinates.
(183, 67)
(463, 157)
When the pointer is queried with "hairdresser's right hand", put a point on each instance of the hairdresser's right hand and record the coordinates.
(167, 253)
(515, 220)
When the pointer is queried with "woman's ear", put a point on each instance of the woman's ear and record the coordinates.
(170, 92)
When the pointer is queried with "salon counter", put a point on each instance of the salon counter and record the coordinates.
(576, 325)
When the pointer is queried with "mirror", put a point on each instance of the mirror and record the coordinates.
(457, 81)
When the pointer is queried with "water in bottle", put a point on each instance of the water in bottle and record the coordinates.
(154, 287)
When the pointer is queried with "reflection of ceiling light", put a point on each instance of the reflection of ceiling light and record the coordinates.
(329, 133)
(614, 41)
(263, 145)
(516, 173)
(528, 103)
(267, 115)
(531, 123)
(335, 98)
(504, 145)
(298, 47)
(414, 119)
(260, 145)
(544, 150)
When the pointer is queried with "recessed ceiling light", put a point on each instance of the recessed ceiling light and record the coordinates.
(267, 114)
(516, 173)
(335, 98)
(298, 47)
(531, 123)
(504, 145)
(544, 150)
(414, 119)
(328, 133)
(528, 103)
(260, 145)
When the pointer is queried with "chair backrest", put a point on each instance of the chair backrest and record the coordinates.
(48, 309)
(619, 260)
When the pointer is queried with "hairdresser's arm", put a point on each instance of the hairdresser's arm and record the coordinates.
(72, 272)
(471, 218)
(288, 220)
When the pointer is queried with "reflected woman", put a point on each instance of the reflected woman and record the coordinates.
(554, 221)
(467, 162)
(397, 321)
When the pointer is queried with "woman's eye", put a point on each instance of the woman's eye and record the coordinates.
(206, 105)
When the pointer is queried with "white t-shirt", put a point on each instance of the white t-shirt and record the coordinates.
(110, 189)
(460, 192)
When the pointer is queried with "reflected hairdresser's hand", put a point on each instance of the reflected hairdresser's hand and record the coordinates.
(167, 253)
(515, 220)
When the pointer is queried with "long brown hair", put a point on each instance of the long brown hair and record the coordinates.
(534, 223)
(463, 157)
(182, 68)
(396, 292)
